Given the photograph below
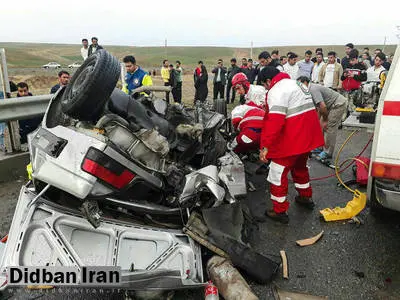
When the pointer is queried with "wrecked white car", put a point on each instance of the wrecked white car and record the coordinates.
(116, 177)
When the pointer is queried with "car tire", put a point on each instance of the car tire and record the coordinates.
(220, 107)
(91, 86)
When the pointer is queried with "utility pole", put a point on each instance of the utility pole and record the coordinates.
(384, 44)
(251, 50)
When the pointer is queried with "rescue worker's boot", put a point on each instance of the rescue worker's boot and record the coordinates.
(307, 202)
(278, 217)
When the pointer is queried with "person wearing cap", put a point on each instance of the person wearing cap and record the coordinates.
(291, 67)
(135, 76)
(290, 131)
(247, 119)
(94, 46)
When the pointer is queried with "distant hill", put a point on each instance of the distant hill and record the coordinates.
(20, 55)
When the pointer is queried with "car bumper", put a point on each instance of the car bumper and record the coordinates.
(45, 234)
(388, 193)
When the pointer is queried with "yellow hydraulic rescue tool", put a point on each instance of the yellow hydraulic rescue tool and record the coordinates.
(354, 206)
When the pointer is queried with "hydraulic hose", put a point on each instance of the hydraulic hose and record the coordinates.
(339, 170)
(337, 160)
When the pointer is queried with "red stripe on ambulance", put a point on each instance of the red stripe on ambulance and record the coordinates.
(391, 108)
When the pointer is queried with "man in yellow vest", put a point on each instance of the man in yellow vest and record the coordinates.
(165, 76)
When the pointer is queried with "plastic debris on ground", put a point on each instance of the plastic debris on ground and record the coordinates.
(285, 267)
(310, 241)
(353, 208)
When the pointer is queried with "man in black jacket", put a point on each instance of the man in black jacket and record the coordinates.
(28, 125)
(265, 59)
(345, 60)
(173, 82)
(94, 46)
(63, 80)
(219, 80)
(275, 58)
(252, 71)
(232, 71)
(353, 75)
(317, 51)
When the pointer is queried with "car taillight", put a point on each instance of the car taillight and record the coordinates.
(107, 169)
(383, 170)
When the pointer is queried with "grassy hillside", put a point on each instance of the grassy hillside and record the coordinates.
(29, 55)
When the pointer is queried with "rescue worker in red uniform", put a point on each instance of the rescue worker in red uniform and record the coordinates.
(291, 129)
(248, 118)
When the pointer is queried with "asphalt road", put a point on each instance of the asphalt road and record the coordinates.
(349, 262)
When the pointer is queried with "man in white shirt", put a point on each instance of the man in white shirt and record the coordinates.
(374, 72)
(330, 73)
(317, 67)
(85, 49)
(328, 79)
(291, 67)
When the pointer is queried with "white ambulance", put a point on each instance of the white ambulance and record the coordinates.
(384, 171)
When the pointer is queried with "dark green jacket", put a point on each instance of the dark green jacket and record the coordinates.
(232, 71)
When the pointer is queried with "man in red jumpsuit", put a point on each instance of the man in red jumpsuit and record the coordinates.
(290, 131)
(248, 118)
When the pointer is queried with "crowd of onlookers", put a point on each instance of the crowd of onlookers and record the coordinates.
(344, 74)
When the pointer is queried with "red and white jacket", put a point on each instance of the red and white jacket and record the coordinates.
(256, 95)
(251, 114)
(291, 127)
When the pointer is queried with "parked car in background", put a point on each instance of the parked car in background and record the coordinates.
(74, 65)
(51, 65)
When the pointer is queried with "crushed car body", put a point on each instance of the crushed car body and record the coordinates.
(115, 177)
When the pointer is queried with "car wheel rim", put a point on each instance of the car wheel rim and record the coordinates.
(83, 76)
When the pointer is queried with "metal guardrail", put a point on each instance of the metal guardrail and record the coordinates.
(23, 108)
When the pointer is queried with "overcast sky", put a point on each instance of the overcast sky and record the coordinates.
(204, 22)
